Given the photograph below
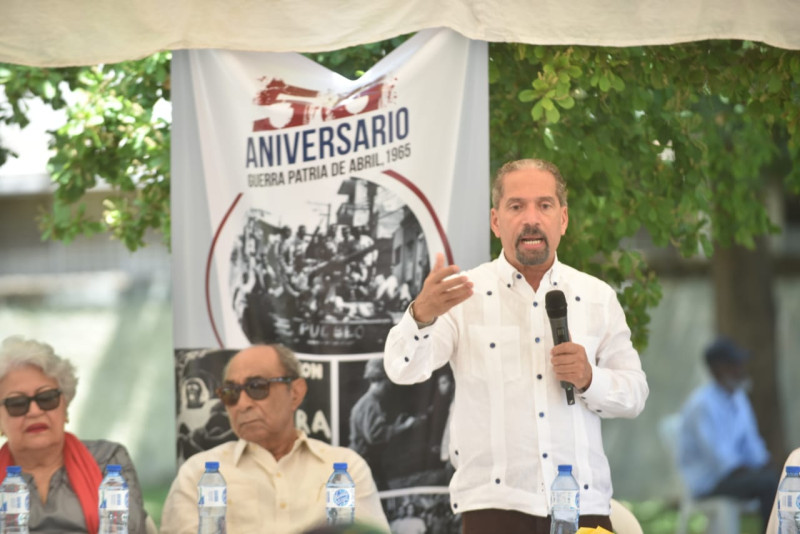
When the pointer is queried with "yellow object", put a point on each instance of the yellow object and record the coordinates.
(598, 530)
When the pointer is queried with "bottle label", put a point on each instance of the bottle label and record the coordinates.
(789, 500)
(565, 499)
(18, 503)
(341, 497)
(115, 500)
(212, 497)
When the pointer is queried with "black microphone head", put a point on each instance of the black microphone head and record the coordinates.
(555, 303)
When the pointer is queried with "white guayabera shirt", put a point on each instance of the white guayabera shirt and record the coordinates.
(512, 426)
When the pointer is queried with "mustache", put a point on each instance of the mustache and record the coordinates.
(530, 231)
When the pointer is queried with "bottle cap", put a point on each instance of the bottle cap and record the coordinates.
(113, 468)
(793, 470)
(13, 470)
(565, 468)
(212, 466)
(340, 466)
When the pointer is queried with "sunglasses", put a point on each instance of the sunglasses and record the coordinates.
(19, 405)
(256, 388)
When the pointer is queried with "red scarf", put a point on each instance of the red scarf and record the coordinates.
(83, 472)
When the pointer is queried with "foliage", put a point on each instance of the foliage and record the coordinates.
(111, 138)
(672, 141)
(675, 142)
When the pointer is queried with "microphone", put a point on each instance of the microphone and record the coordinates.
(556, 305)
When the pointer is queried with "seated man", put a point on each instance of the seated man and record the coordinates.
(275, 474)
(720, 450)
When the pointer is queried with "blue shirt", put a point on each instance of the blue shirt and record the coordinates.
(718, 434)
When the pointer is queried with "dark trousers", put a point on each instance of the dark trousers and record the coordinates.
(493, 521)
(750, 483)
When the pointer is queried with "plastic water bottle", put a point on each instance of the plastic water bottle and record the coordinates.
(340, 496)
(15, 502)
(113, 502)
(564, 502)
(789, 501)
(212, 500)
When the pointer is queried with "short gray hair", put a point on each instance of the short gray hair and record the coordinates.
(288, 360)
(286, 356)
(520, 164)
(16, 352)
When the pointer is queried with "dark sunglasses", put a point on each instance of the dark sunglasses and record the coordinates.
(256, 388)
(19, 405)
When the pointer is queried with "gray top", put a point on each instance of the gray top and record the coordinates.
(62, 513)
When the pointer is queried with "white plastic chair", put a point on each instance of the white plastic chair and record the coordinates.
(623, 520)
(722, 512)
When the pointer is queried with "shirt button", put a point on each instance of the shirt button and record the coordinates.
(406, 358)
(544, 455)
(489, 293)
(278, 475)
(497, 481)
(491, 345)
(425, 336)
(535, 304)
(455, 505)
(539, 377)
(519, 276)
(578, 299)
(537, 339)
(586, 486)
(508, 286)
(416, 338)
(541, 414)
(283, 506)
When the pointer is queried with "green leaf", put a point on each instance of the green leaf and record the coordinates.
(537, 111)
(527, 95)
(566, 103)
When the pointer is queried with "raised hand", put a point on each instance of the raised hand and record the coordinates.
(442, 289)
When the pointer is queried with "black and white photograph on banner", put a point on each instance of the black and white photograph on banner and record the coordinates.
(421, 513)
(329, 274)
(399, 430)
(202, 422)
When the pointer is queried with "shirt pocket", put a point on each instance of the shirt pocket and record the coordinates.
(586, 328)
(494, 349)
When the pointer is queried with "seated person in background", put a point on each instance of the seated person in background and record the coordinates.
(63, 473)
(720, 451)
(793, 459)
(275, 474)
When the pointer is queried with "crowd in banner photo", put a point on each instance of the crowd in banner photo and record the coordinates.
(329, 287)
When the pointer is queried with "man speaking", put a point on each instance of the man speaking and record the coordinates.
(512, 423)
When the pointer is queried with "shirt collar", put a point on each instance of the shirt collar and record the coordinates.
(511, 275)
(301, 441)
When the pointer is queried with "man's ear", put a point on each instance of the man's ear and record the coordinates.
(299, 390)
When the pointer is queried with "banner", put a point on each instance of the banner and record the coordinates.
(307, 210)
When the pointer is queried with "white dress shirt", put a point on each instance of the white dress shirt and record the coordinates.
(265, 496)
(512, 426)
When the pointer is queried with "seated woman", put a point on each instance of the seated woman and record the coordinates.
(63, 473)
